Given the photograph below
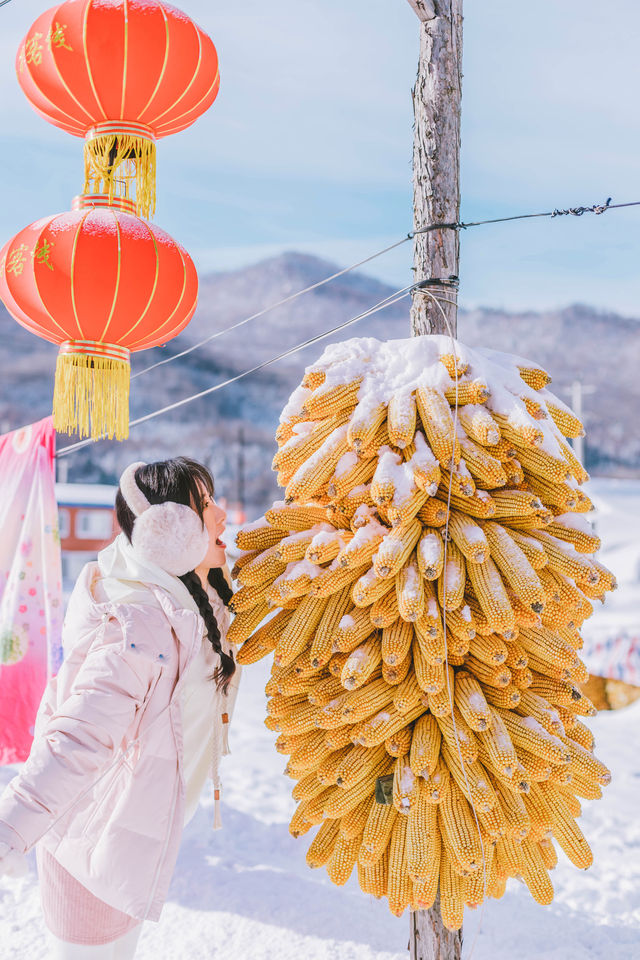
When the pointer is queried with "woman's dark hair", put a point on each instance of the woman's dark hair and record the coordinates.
(182, 480)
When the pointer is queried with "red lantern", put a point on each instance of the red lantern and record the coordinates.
(101, 282)
(120, 73)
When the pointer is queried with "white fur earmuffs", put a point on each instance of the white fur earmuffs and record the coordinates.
(169, 534)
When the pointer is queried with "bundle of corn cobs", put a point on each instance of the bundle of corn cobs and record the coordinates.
(425, 580)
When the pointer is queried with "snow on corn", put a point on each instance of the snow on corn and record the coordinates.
(422, 588)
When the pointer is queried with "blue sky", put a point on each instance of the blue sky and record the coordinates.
(308, 146)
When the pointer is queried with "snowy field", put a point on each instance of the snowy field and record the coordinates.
(245, 891)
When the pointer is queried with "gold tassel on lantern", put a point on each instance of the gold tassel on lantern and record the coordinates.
(120, 160)
(91, 392)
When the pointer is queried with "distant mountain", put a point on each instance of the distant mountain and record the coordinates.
(237, 423)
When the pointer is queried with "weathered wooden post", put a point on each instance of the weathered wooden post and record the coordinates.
(436, 199)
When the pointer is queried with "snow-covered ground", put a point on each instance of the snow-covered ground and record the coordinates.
(246, 890)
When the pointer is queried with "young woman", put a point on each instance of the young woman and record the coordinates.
(135, 721)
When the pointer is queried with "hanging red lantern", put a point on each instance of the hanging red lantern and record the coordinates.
(121, 74)
(102, 283)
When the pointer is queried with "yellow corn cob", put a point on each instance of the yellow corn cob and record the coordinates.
(410, 592)
(547, 646)
(393, 675)
(263, 641)
(490, 650)
(560, 496)
(527, 734)
(512, 505)
(451, 893)
(425, 746)
(536, 769)
(481, 505)
(532, 548)
(325, 690)
(280, 706)
(534, 377)
(514, 811)
(362, 546)
(575, 466)
(566, 831)
(313, 378)
(542, 465)
(582, 735)
(455, 366)
(307, 788)
(323, 844)
(341, 800)
(242, 561)
(364, 423)
(423, 846)
(294, 518)
(565, 420)
(485, 468)
(565, 560)
(492, 676)
(421, 461)
(399, 744)
(478, 424)
(312, 476)
(258, 537)
(247, 597)
(304, 442)
(492, 597)
(339, 737)
(408, 694)
(329, 399)
(349, 472)
(430, 676)
(521, 429)
(352, 824)
(584, 764)
(334, 578)
(369, 588)
(299, 630)
(351, 631)
(374, 879)
(493, 824)
(430, 554)
(299, 825)
(290, 743)
(460, 627)
(396, 641)
(361, 663)
(534, 408)
(514, 567)
(262, 569)
(531, 705)
(458, 736)
(385, 611)
(402, 510)
(336, 663)
(301, 720)
(471, 701)
(343, 511)
(326, 772)
(377, 831)
(405, 786)
(400, 887)
(548, 854)
(562, 694)
(459, 830)
(375, 730)
(429, 638)
(337, 606)
(245, 623)
(438, 783)
(401, 419)
(343, 859)
(507, 697)
(309, 750)
(326, 544)
(469, 537)
(496, 746)
(582, 540)
(433, 513)
(366, 700)
(535, 874)
(514, 473)
(440, 703)
(467, 391)
(437, 424)
(451, 582)
(396, 548)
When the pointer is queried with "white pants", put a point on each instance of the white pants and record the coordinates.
(123, 948)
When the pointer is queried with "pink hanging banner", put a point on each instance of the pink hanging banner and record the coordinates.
(30, 582)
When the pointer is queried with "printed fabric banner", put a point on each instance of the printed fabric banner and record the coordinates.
(30, 582)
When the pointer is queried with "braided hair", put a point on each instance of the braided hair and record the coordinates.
(181, 480)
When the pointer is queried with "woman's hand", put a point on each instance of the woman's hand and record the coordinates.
(12, 863)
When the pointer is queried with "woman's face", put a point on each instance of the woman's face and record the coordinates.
(215, 519)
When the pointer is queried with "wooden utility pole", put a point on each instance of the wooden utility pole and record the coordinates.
(436, 160)
(436, 199)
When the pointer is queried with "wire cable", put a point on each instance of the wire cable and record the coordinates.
(387, 302)
(574, 211)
